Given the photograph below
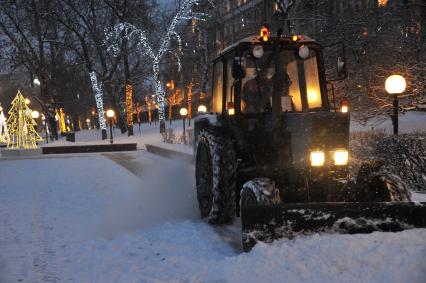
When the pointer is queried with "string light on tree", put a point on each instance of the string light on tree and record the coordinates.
(129, 107)
(128, 30)
(61, 120)
(99, 102)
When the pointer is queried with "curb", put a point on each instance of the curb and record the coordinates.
(169, 153)
(89, 148)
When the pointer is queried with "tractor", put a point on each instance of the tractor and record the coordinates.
(275, 152)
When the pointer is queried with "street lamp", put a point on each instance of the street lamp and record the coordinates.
(395, 85)
(110, 114)
(183, 112)
(36, 81)
(88, 123)
(202, 109)
(27, 101)
(35, 114)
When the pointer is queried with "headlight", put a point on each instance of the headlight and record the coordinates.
(317, 158)
(341, 157)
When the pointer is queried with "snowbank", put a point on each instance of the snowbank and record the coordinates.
(409, 122)
(147, 134)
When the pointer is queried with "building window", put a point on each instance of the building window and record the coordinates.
(382, 3)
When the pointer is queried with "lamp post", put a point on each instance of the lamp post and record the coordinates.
(44, 122)
(110, 114)
(395, 85)
(35, 114)
(88, 123)
(183, 112)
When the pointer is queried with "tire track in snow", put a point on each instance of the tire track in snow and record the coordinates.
(46, 260)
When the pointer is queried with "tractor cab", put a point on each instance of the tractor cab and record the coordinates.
(250, 73)
(273, 96)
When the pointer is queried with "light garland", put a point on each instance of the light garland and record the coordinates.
(99, 100)
(61, 120)
(22, 133)
(129, 105)
(128, 30)
(148, 103)
(4, 134)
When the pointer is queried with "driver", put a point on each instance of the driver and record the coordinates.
(257, 92)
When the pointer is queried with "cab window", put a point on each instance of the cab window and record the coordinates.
(258, 84)
(217, 87)
(313, 90)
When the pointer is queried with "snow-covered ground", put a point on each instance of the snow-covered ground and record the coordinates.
(133, 217)
(86, 218)
(147, 134)
(413, 121)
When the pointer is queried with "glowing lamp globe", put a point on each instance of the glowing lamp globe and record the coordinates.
(303, 52)
(183, 111)
(35, 114)
(395, 84)
(27, 101)
(202, 109)
(110, 113)
(87, 120)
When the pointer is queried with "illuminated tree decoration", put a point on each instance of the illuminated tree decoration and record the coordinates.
(4, 134)
(128, 30)
(61, 120)
(129, 105)
(189, 101)
(171, 103)
(21, 125)
(99, 100)
(148, 103)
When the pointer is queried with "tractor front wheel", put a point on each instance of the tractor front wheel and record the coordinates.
(259, 191)
(215, 173)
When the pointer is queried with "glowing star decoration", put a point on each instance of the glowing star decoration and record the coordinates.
(99, 100)
(21, 125)
(4, 134)
(129, 105)
(155, 55)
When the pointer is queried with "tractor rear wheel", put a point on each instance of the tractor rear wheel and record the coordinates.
(375, 183)
(215, 173)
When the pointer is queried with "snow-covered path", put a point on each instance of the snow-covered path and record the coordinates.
(132, 217)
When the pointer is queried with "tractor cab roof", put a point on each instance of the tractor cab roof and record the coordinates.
(254, 39)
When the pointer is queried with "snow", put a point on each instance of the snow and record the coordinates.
(413, 121)
(86, 218)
